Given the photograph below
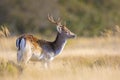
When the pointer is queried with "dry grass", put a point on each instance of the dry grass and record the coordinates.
(82, 59)
(4, 31)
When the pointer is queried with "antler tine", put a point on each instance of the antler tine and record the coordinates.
(51, 19)
(59, 20)
(64, 23)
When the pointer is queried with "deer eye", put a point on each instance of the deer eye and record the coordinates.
(66, 32)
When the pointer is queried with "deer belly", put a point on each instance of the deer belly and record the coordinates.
(35, 55)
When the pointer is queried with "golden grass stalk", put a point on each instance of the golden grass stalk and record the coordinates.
(4, 32)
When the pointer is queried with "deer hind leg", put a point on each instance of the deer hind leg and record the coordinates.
(19, 57)
(23, 57)
(26, 57)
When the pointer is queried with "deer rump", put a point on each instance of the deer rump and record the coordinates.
(27, 49)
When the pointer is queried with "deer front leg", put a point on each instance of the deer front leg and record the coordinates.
(45, 61)
(47, 64)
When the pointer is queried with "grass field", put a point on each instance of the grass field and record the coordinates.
(82, 59)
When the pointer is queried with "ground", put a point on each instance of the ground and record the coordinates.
(82, 59)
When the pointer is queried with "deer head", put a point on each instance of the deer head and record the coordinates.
(62, 29)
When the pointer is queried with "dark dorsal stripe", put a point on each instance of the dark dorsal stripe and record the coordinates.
(19, 44)
(19, 41)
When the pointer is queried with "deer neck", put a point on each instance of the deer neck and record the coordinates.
(59, 43)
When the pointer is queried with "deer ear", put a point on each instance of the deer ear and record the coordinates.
(59, 29)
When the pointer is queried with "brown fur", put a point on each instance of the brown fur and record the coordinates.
(34, 42)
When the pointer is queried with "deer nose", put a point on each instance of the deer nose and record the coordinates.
(74, 36)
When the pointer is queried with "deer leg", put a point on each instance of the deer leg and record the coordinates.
(26, 57)
(46, 65)
(19, 57)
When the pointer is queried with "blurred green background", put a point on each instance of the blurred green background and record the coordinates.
(83, 17)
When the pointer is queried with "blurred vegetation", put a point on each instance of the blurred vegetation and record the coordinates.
(84, 17)
(8, 67)
(4, 31)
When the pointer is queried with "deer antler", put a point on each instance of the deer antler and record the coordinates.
(51, 19)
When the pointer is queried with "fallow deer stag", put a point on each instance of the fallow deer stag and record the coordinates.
(29, 47)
